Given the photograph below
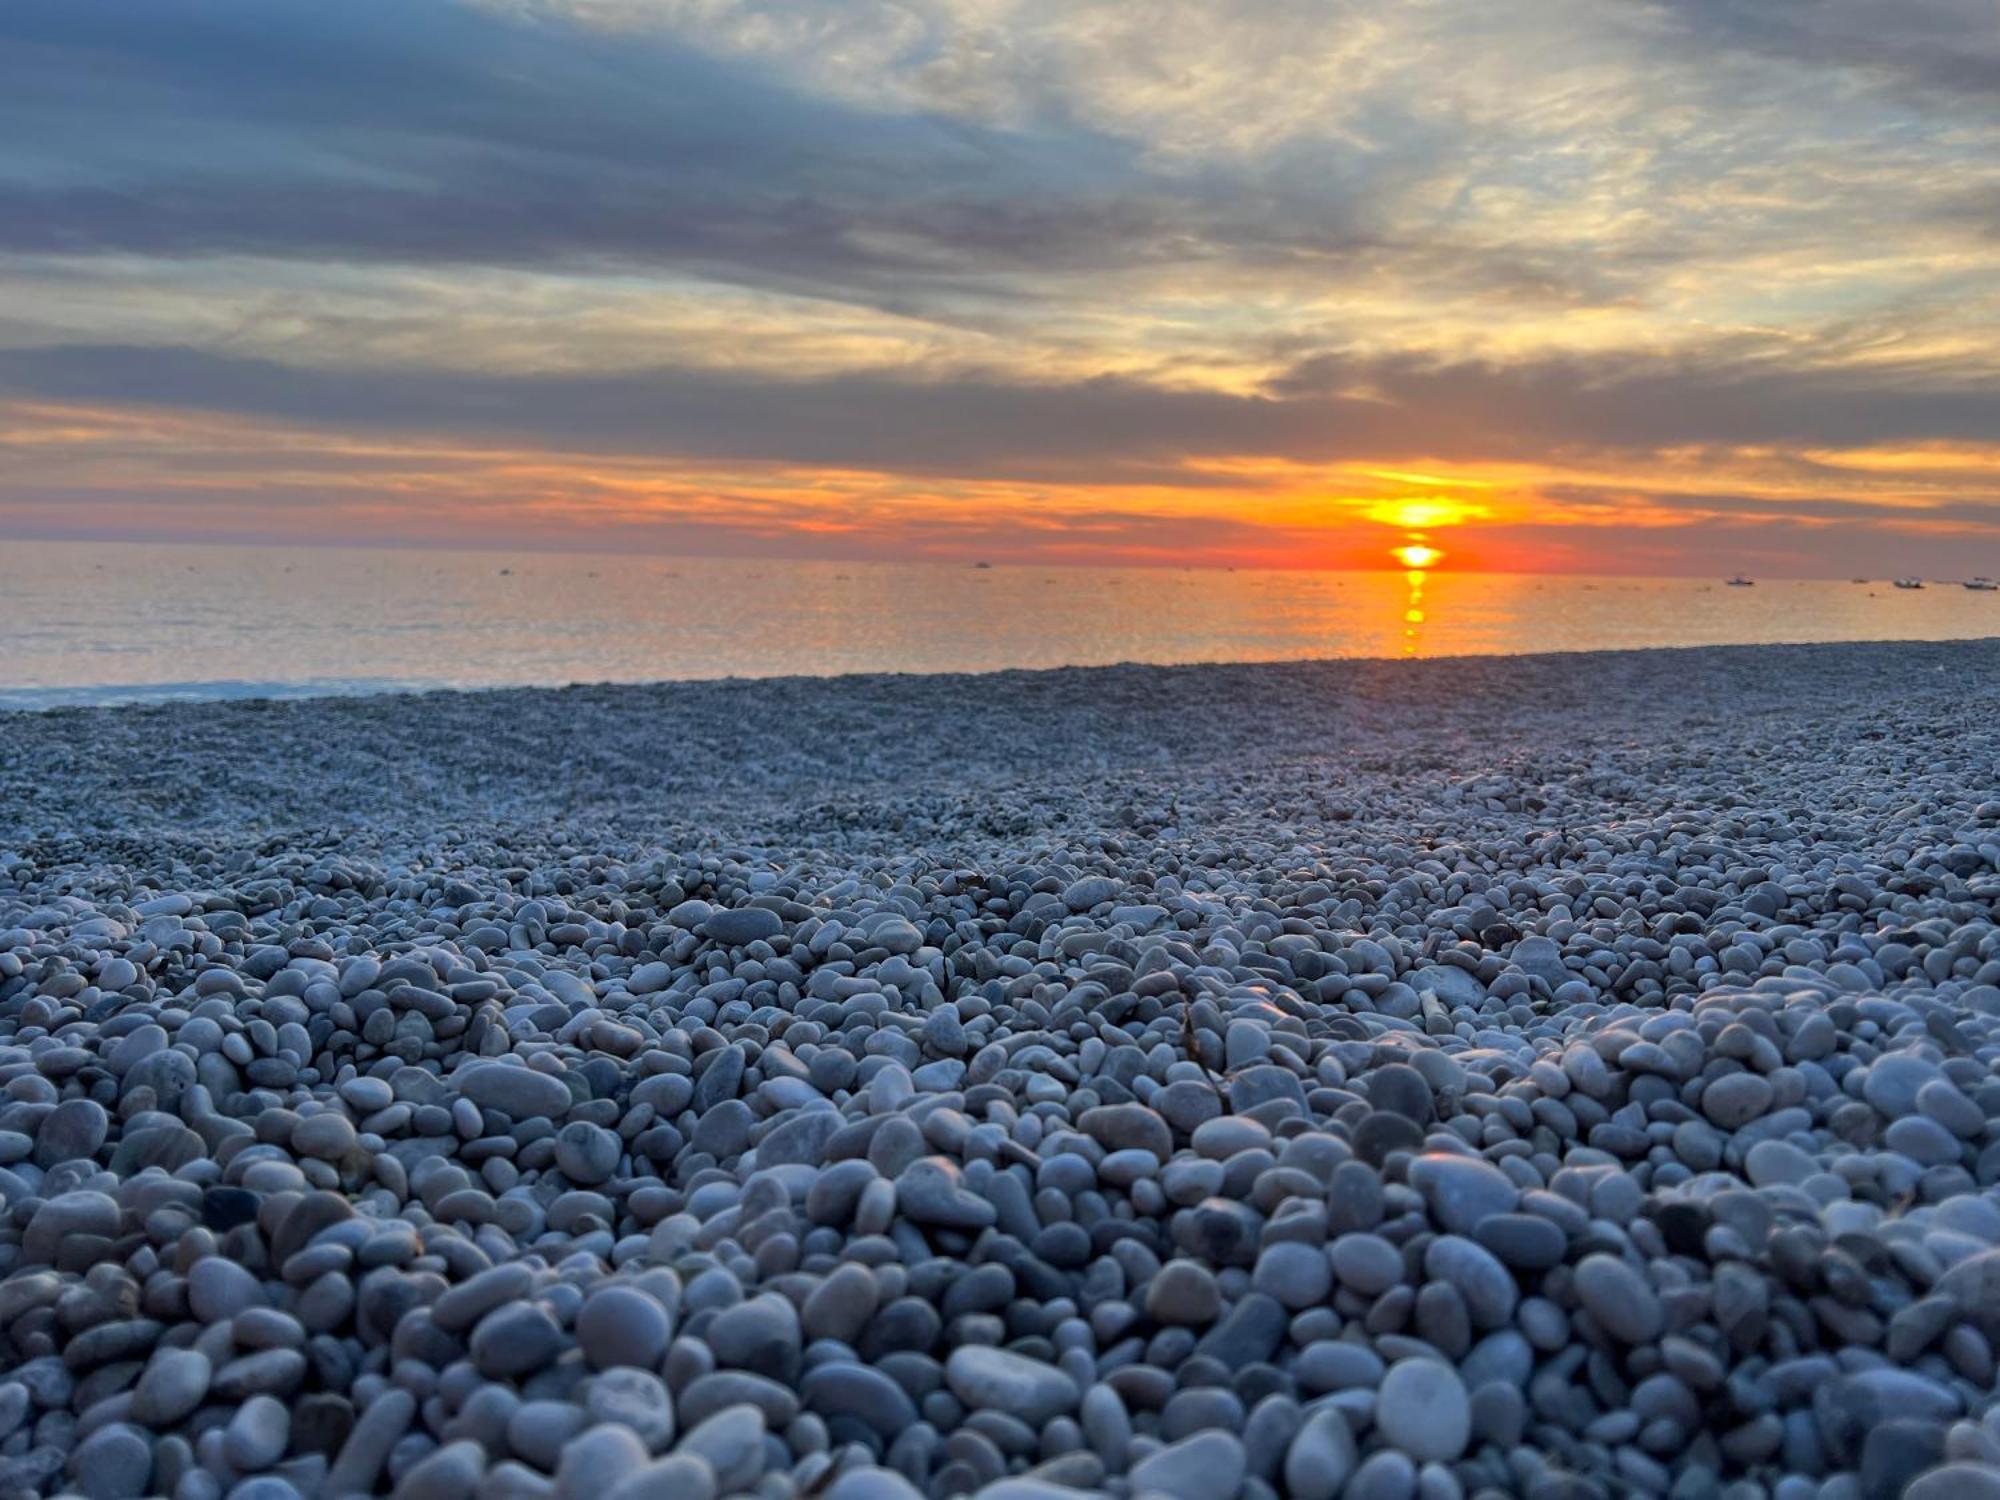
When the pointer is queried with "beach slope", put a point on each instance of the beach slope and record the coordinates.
(1565, 1075)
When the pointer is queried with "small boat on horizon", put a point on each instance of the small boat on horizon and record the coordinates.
(1909, 583)
(1982, 584)
(1740, 582)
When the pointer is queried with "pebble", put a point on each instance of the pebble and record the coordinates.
(113, 1463)
(519, 1092)
(1037, 1393)
(730, 1443)
(1184, 1292)
(170, 1387)
(621, 1325)
(219, 1290)
(1460, 1191)
(1195, 1468)
(1321, 1457)
(1422, 1409)
(515, 1340)
(1618, 1297)
(257, 1435)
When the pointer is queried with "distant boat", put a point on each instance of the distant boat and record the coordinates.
(1982, 583)
(982, 565)
(1909, 583)
(1740, 582)
(1858, 580)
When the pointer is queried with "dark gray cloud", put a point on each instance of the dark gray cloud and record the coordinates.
(429, 132)
(1737, 394)
(422, 131)
(1106, 428)
(425, 131)
(1931, 46)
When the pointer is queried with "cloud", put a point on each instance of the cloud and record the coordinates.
(1948, 47)
(1665, 262)
(1324, 411)
(430, 132)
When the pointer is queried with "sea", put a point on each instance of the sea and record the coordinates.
(95, 623)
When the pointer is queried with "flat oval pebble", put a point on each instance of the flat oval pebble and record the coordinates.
(1422, 1409)
(993, 1378)
(1618, 1297)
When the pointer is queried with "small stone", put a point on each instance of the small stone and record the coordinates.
(1621, 1301)
(871, 1483)
(993, 1379)
(1735, 1099)
(114, 1463)
(1201, 1467)
(737, 926)
(1897, 1451)
(932, 1190)
(676, 1477)
(761, 1335)
(731, 1443)
(587, 1154)
(172, 1385)
(1366, 1263)
(1128, 1127)
(1956, 1481)
(597, 1460)
(219, 1290)
(637, 1399)
(369, 1443)
(1321, 1457)
(518, 1092)
(326, 1136)
(1460, 1191)
(1183, 1293)
(862, 1392)
(73, 1131)
(1525, 1242)
(452, 1472)
(1385, 1475)
(257, 1434)
(1775, 1161)
(1297, 1274)
(1422, 1409)
(1485, 1284)
(515, 1340)
(621, 1325)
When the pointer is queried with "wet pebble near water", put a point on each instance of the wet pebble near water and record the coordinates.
(1557, 1079)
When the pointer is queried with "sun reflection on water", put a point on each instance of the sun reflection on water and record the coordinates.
(1417, 558)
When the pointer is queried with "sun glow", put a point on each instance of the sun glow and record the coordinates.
(1416, 555)
(1423, 512)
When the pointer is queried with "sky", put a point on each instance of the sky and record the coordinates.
(1676, 286)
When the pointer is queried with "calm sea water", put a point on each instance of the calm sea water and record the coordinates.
(97, 623)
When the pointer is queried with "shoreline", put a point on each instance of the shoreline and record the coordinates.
(196, 693)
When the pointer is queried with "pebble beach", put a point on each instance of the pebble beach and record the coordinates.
(1569, 1077)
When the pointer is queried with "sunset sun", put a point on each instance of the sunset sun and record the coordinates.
(1417, 555)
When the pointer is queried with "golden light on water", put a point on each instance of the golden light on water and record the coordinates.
(1416, 555)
